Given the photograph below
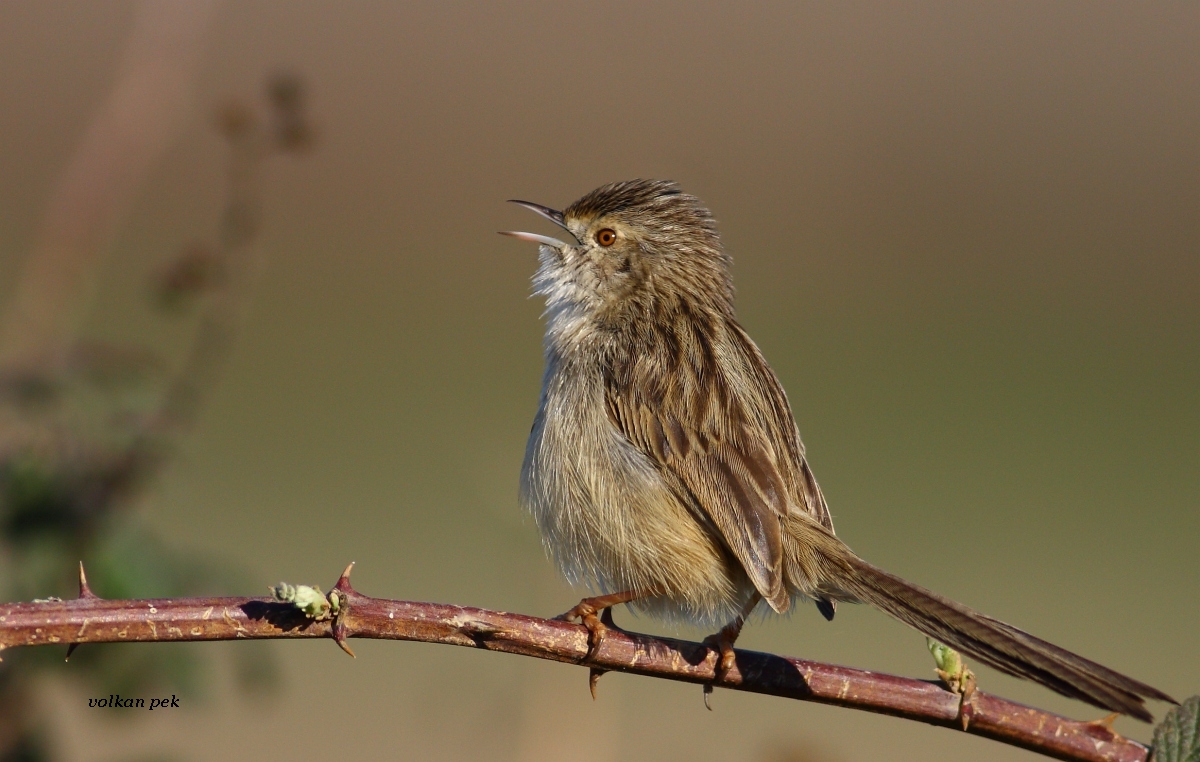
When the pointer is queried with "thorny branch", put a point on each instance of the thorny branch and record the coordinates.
(90, 619)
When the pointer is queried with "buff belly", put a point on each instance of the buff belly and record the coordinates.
(609, 520)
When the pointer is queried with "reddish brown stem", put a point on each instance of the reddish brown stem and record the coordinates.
(95, 620)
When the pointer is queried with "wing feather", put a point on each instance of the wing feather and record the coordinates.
(718, 425)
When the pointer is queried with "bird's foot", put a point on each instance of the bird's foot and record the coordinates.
(722, 643)
(596, 615)
(597, 618)
(597, 621)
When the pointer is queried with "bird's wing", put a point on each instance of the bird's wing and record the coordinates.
(717, 424)
(775, 418)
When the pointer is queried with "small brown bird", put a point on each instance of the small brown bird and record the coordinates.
(665, 469)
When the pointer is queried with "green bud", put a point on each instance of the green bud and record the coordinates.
(946, 658)
(307, 598)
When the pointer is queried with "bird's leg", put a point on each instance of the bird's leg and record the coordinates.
(587, 610)
(723, 642)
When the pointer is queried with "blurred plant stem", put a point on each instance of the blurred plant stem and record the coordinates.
(129, 133)
(85, 426)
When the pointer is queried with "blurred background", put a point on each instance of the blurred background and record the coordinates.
(257, 324)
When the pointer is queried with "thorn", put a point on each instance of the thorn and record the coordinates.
(966, 710)
(606, 618)
(70, 650)
(342, 591)
(708, 689)
(339, 636)
(84, 590)
(1103, 727)
(343, 583)
(966, 702)
(594, 675)
(1106, 722)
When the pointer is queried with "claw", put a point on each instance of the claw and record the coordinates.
(722, 643)
(727, 660)
(585, 614)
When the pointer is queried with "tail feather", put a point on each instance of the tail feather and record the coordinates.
(988, 640)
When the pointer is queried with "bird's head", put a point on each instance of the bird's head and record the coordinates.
(634, 246)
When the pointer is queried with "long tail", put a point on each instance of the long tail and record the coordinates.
(992, 642)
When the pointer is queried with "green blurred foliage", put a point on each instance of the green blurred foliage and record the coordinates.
(83, 433)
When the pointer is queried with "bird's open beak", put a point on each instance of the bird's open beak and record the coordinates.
(553, 215)
(535, 238)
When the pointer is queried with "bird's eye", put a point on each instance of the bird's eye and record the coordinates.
(606, 237)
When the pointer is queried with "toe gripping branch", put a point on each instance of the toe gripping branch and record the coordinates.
(597, 618)
(595, 673)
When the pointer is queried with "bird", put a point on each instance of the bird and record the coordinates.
(665, 470)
